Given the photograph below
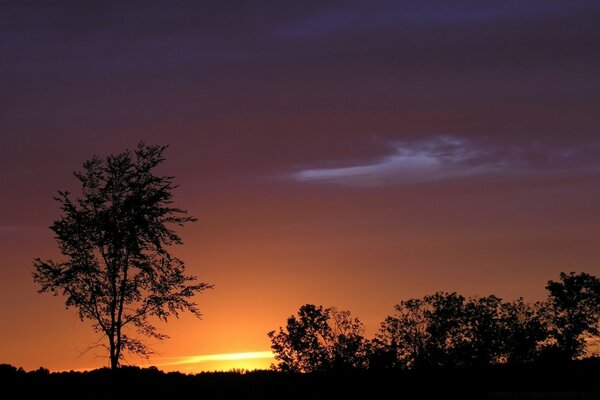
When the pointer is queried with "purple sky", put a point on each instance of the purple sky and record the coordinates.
(345, 153)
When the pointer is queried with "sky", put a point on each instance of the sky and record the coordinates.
(343, 153)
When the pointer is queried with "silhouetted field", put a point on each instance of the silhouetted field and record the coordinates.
(575, 380)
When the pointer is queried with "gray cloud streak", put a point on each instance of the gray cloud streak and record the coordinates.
(451, 157)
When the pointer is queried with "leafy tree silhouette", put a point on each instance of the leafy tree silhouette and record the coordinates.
(402, 338)
(483, 331)
(525, 331)
(318, 339)
(427, 332)
(448, 330)
(574, 312)
(118, 271)
(446, 326)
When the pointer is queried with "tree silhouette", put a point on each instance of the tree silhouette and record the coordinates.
(448, 330)
(525, 331)
(118, 271)
(318, 339)
(402, 338)
(484, 331)
(427, 332)
(574, 311)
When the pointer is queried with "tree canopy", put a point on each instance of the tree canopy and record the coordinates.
(574, 311)
(115, 237)
(447, 330)
(318, 339)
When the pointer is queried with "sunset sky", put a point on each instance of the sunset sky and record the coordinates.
(343, 153)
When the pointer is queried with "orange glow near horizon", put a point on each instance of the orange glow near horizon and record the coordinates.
(342, 154)
(244, 361)
(221, 362)
(360, 255)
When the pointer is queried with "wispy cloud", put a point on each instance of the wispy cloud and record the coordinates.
(447, 157)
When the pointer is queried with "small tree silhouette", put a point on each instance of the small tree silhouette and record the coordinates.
(484, 332)
(402, 338)
(318, 339)
(574, 312)
(118, 271)
(525, 331)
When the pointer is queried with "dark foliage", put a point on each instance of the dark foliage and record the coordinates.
(447, 330)
(525, 331)
(573, 312)
(318, 339)
(574, 378)
(118, 271)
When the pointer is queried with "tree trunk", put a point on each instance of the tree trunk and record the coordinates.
(114, 362)
(114, 355)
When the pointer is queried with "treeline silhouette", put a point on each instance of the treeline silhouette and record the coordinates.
(442, 345)
(447, 330)
(572, 380)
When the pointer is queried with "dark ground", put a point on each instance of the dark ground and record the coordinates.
(576, 380)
